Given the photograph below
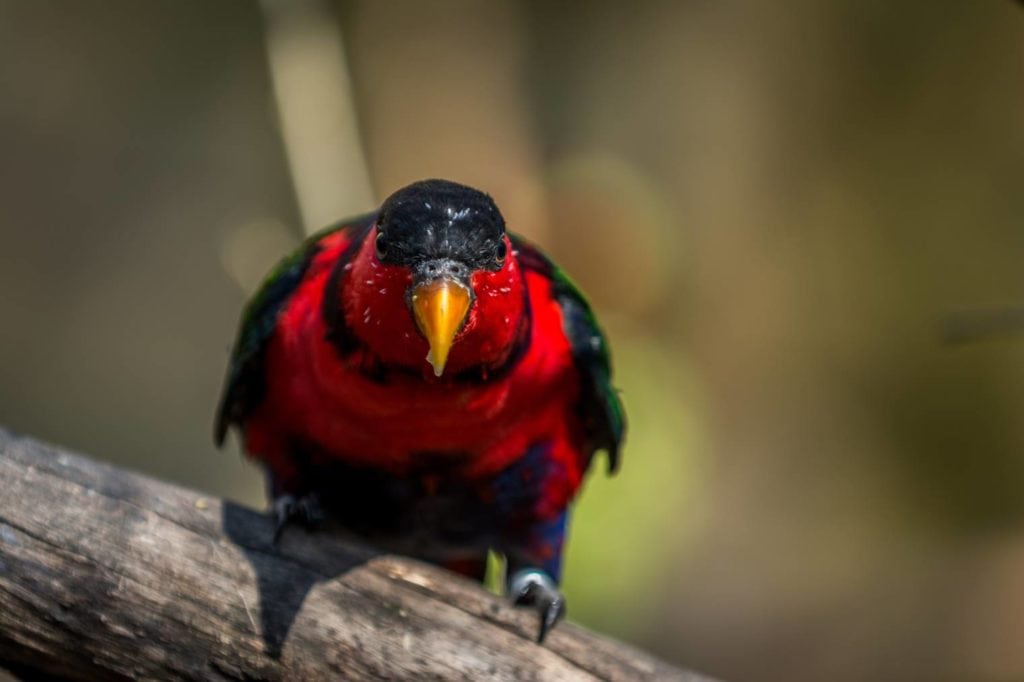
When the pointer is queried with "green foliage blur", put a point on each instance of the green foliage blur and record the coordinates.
(775, 208)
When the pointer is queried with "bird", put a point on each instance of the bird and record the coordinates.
(431, 381)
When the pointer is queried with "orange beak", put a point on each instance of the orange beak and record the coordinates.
(440, 307)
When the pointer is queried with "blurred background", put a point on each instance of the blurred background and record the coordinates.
(773, 208)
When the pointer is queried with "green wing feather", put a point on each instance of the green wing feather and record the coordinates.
(244, 386)
(600, 406)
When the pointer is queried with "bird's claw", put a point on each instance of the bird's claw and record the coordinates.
(287, 509)
(532, 587)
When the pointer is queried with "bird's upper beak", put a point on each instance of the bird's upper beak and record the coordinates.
(440, 306)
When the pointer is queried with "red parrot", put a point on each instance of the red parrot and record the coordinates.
(433, 382)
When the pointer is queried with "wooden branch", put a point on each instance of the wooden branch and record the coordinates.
(106, 574)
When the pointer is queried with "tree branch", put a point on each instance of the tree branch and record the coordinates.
(106, 574)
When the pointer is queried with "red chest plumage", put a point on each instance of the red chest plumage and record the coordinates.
(322, 398)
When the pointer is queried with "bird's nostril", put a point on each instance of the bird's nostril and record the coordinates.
(443, 268)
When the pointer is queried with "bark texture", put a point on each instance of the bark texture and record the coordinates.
(108, 575)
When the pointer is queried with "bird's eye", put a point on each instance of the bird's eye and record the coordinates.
(500, 253)
(381, 246)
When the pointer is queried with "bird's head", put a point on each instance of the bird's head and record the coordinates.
(435, 280)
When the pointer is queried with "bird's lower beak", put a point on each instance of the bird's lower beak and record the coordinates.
(440, 306)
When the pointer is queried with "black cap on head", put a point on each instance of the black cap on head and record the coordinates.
(438, 219)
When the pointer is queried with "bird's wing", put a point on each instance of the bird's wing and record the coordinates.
(600, 406)
(244, 385)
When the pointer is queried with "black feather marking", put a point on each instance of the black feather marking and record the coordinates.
(245, 384)
(338, 332)
(600, 408)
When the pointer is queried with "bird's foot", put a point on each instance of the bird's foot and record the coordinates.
(533, 587)
(304, 510)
